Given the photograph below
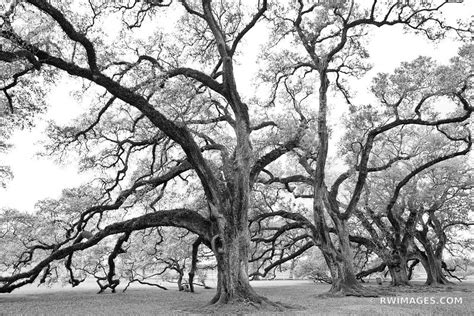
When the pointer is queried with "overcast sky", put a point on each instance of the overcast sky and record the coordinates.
(36, 177)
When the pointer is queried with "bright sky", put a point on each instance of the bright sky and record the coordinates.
(37, 178)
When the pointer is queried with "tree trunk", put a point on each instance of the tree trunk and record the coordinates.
(398, 270)
(232, 266)
(339, 261)
(180, 281)
(399, 275)
(232, 271)
(433, 260)
(434, 271)
(292, 270)
(231, 248)
(343, 278)
(194, 259)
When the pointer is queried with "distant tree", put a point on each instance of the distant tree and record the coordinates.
(275, 240)
(433, 209)
(394, 203)
(441, 226)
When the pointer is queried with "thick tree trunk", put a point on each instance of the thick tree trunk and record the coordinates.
(433, 260)
(232, 268)
(398, 270)
(399, 275)
(343, 278)
(434, 270)
(232, 272)
(339, 261)
(231, 248)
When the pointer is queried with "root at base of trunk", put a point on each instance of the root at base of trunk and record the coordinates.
(221, 304)
(353, 290)
(439, 283)
(252, 300)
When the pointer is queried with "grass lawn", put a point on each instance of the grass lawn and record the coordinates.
(152, 301)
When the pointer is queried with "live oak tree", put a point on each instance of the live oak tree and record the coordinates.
(136, 257)
(173, 96)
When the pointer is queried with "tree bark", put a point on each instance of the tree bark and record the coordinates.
(343, 278)
(434, 273)
(432, 265)
(339, 261)
(180, 281)
(292, 269)
(432, 256)
(398, 269)
(232, 270)
(194, 260)
(399, 275)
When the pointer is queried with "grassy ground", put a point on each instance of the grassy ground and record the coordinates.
(151, 301)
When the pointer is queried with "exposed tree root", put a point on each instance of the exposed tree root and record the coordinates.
(355, 290)
(400, 284)
(254, 303)
(442, 283)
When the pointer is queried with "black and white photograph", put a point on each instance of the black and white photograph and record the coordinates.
(236, 157)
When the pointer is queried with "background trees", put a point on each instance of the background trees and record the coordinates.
(330, 41)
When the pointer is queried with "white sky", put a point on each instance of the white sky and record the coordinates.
(36, 177)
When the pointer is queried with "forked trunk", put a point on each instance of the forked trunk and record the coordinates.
(339, 260)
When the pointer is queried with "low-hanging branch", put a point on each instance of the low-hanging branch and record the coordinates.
(184, 218)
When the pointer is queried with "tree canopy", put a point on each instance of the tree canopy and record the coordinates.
(175, 141)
